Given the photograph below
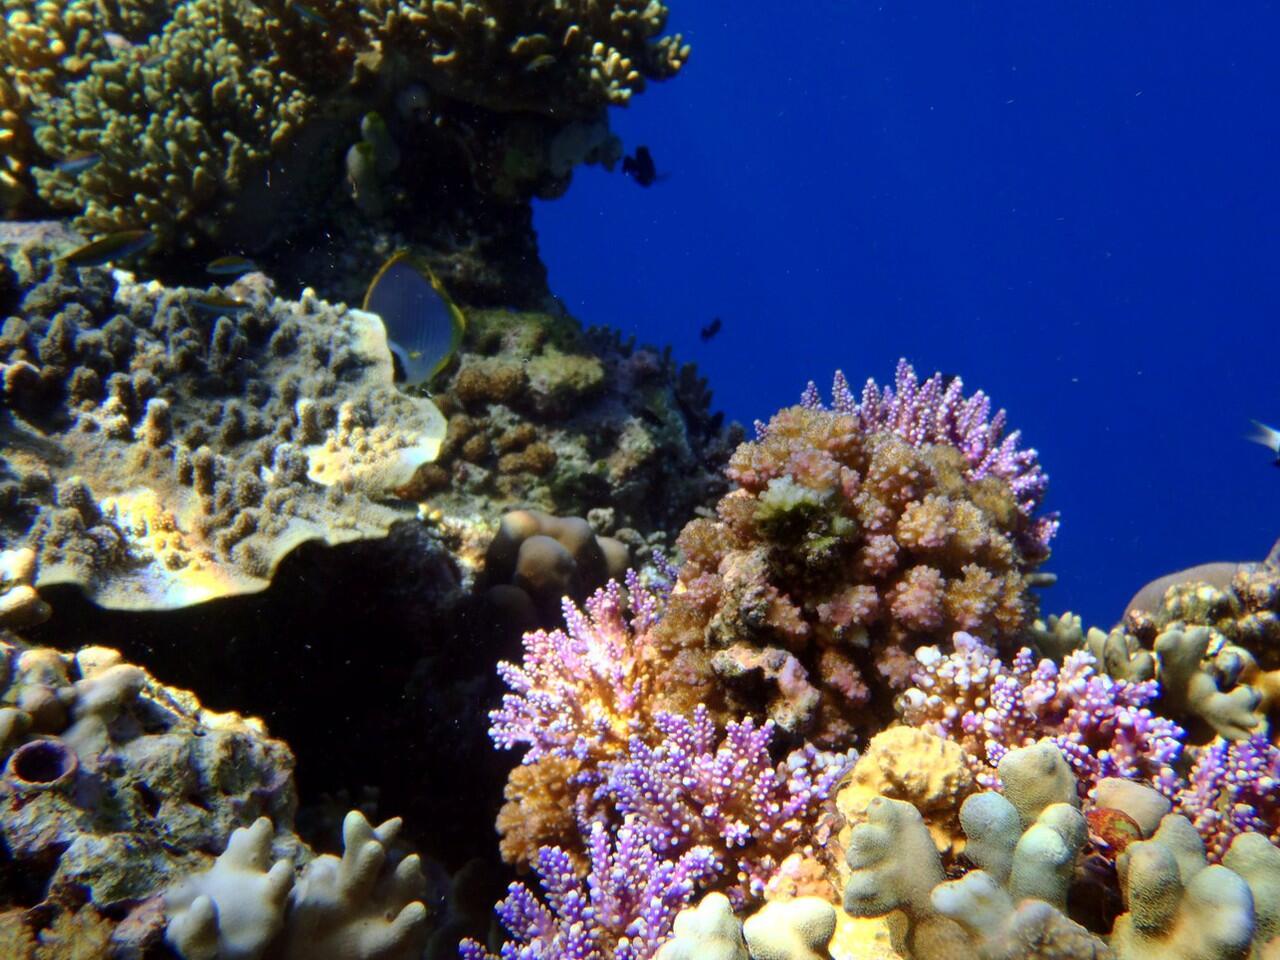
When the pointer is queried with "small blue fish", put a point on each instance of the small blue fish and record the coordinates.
(231, 266)
(221, 304)
(310, 14)
(424, 327)
(120, 245)
(78, 165)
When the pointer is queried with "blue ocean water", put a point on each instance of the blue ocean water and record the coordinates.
(1074, 206)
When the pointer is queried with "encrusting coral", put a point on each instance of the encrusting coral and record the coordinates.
(855, 535)
(158, 454)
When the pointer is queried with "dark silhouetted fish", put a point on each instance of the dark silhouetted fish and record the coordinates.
(710, 330)
(639, 167)
(424, 327)
(231, 266)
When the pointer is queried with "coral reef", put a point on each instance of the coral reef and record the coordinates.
(365, 905)
(781, 930)
(932, 774)
(854, 536)
(229, 124)
(115, 785)
(1211, 686)
(1028, 846)
(726, 794)
(583, 704)
(157, 454)
(623, 911)
(572, 424)
(1104, 727)
(549, 558)
(1024, 844)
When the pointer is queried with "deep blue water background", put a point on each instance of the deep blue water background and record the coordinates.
(1075, 206)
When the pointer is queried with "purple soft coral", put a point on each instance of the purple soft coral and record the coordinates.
(697, 788)
(580, 692)
(1234, 788)
(624, 910)
(937, 412)
(1101, 725)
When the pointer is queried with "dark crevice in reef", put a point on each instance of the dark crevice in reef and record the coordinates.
(379, 707)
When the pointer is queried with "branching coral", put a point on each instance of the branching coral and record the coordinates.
(1104, 727)
(584, 705)
(623, 911)
(1025, 847)
(1233, 788)
(855, 535)
(186, 122)
(695, 787)
(583, 692)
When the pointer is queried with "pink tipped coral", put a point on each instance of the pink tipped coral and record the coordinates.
(855, 535)
(1102, 726)
(581, 692)
(936, 412)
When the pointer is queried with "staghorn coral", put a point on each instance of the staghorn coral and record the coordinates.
(158, 456)
(726, 793)
(1104, 727)
(855, 535)
(1231, 789)
(581, 693)
(623, 911)
(581, 702)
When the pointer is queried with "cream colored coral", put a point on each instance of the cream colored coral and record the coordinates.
(20, 605)
(233, 910)
(927, 771)
(799, 929)
(365, 905)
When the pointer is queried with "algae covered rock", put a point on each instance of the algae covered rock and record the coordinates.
(160, 449)
(114, 784)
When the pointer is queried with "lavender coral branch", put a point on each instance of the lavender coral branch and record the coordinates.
(936, 411)
(694, 787)
(623, 910)
(579, 692)
(1233, 788)
(1102, 726)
